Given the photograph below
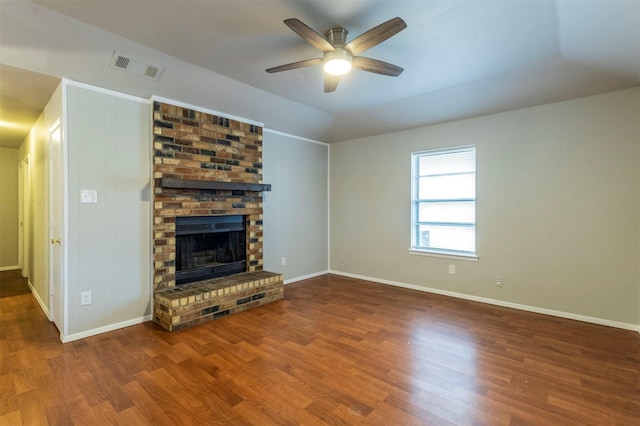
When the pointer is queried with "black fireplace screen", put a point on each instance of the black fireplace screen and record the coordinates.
(209, 246)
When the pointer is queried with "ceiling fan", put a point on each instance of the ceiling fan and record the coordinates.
(339, 56)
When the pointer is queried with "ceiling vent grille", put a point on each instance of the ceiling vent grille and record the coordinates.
(135, 66)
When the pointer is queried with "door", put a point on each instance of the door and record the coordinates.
(56, 269)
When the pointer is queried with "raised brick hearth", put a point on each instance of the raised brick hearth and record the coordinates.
(192, 304)
(194, 147)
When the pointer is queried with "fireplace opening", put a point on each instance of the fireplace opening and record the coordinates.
(209, 247)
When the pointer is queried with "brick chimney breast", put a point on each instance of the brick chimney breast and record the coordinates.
(194, 145)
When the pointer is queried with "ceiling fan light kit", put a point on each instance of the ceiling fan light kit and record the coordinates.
(337, 62)
(339, 56)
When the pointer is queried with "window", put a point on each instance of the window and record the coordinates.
(443, 218)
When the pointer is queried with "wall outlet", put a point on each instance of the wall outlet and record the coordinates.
(283, 261)
(85, 298)
(88, 196)
(452, 269)
(499, 282)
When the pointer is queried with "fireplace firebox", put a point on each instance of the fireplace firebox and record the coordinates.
(209, 246)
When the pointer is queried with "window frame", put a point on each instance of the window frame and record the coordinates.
(414, 247)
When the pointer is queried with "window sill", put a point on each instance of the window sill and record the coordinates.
(468, 257)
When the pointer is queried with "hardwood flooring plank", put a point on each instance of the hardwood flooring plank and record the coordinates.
(171, 394)
(31, 408)
(268, 383)
(150, 409)
(415, 410)
(385, 414)
(188, 373)
(105, 413)
(324, 414)
(266, 395)
(130, 416)
(11, 419)
(23, 381)
(8, 401)
(251, 412)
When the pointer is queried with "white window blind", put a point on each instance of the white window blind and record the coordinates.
(444, 201)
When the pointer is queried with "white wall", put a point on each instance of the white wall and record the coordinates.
(296, 209)
(8, 208)
(109, 249)
(558, 207)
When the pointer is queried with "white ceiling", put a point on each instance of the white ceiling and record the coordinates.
(461, 58)
(23, 95)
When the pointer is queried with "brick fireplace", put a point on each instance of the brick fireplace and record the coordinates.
(206, 165)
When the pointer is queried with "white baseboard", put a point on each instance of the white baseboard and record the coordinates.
(9, 268)
(106, 328)
(43, 305)
(560, 314)
(117, 326)
(305, 277)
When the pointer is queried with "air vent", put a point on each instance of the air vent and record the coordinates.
(152, 71)
(135, 66)
(122, 62)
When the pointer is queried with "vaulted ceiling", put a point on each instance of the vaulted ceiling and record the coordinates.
(460, 58)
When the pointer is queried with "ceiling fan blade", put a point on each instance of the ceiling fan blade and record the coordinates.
(330, 83)
(375, 35)
(312, 37)
(376, 66)
(295, 65)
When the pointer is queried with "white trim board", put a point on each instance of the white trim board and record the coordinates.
(305, 277)
(9, 268)
(105, 329)
(155, 98)
(135, 321)
(105, 91)
(289, 135)
(39, 300)
(551, 312)
(65, 203)
(329, 207)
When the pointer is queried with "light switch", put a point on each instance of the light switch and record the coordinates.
(85, 298)
(88, 196)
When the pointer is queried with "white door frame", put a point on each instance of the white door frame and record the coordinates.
(56, 226)
(25, 223)
(20, 215)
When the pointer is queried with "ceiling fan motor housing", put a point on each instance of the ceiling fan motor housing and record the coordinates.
(338, 61)
(337, 37)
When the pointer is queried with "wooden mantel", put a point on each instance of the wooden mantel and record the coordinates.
(207, 184)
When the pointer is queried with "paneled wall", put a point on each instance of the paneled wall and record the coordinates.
(296, 210)
(109, 241)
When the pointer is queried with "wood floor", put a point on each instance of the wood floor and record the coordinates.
(335, 351)
(12, 283)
